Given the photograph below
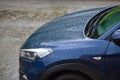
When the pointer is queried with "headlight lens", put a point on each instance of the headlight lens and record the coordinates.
(34, 54)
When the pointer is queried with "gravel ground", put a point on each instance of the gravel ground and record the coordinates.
(19, 18)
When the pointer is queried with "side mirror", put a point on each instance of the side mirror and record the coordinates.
(116, 37)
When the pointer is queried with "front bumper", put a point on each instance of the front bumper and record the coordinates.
(29, 69)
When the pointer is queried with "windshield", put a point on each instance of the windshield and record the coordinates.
(103, 23)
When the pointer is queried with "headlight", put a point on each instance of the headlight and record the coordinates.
(34, 54)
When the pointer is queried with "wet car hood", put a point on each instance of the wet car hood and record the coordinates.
(58, 29)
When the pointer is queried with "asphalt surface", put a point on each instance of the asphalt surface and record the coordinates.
(19, 18)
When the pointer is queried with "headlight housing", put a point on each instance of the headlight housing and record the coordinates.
(34, 54)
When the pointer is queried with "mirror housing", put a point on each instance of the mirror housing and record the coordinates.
(116, 37)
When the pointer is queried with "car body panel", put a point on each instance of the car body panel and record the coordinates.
(75, 50)
(113, 62)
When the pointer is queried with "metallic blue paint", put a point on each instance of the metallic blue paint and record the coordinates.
(116, 34)
(82, 49)
(112, 62)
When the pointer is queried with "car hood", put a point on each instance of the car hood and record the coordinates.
(62, 26)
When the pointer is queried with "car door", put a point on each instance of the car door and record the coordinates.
(112, 61)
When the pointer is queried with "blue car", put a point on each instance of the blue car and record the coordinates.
(84, 45)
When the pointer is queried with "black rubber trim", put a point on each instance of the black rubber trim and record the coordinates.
(75, 66)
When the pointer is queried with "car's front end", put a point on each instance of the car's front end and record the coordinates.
(31, 62)
(58, 41)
